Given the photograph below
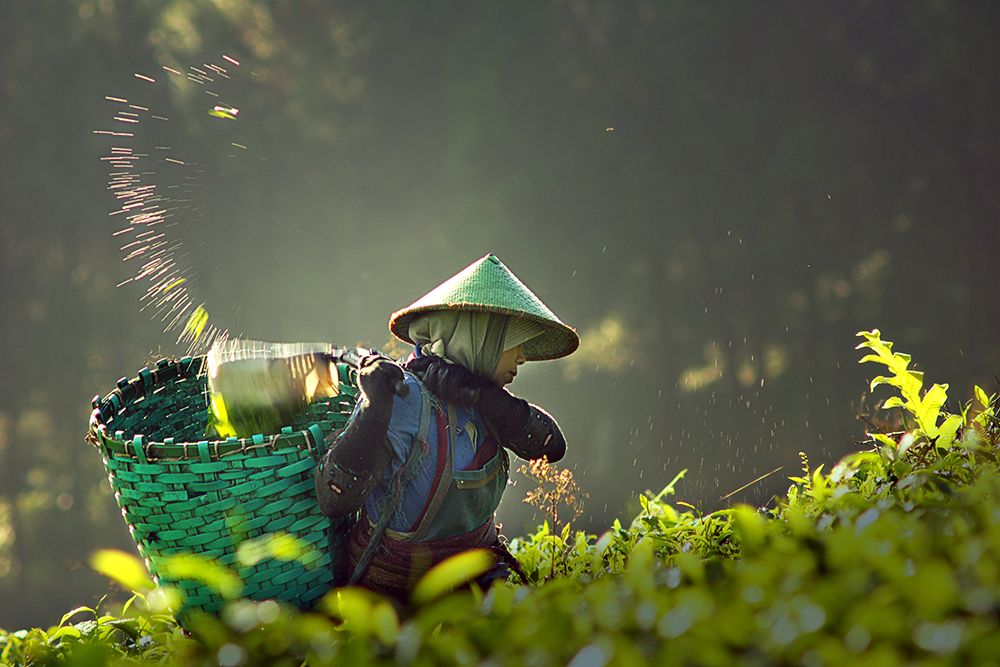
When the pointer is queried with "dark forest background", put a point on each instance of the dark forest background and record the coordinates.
(717, 195)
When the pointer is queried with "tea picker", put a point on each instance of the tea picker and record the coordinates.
(217, 455)
(427, 471)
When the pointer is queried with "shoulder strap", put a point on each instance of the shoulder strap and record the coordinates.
(390, 502)
(443, 483)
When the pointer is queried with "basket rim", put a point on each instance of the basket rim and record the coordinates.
(142, 449)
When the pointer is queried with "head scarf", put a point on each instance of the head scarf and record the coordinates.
(487, 286)
(473, 339)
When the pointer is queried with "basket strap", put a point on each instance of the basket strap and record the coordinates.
(390, 502)
(443, 483)
(138, 446)
(316, 435)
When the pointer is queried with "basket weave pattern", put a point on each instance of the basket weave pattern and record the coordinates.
(180, 493)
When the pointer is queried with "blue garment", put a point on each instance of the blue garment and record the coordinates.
(468, 432)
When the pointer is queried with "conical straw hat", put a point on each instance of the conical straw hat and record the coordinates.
(488, 286)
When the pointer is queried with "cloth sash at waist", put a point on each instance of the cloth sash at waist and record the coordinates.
(399, 564)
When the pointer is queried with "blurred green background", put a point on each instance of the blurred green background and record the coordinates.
(717, 195)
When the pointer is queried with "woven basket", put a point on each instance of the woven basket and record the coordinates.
(180, 493)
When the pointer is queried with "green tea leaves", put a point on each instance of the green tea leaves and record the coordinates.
(363, 613)
(981, 397)
(929, 408)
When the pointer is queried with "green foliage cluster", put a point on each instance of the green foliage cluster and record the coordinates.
(687, 176)
(892, 557)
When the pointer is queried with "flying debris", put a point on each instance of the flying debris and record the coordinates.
(229, 113)
(195, 325)
(153, 201)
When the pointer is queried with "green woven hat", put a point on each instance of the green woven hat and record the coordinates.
(488, 286)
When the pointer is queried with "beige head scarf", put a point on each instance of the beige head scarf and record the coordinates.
(473, 339)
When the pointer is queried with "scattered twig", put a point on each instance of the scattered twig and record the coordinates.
(751, 483)
(869, 422)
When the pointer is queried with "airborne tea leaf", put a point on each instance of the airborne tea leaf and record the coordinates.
(229, 113)
(158, 172)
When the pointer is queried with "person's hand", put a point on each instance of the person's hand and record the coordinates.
(379, 378)
(450, 382)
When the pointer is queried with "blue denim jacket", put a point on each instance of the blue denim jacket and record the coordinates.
(468, 432)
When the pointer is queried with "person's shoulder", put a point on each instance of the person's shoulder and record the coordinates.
(407, 405)
(411, 398)
(412, 383)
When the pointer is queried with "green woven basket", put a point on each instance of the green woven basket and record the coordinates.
(180, 493)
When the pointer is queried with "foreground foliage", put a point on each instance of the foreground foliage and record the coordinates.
(892, 557)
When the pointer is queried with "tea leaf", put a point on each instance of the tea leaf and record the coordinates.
(451, 573)
(981, 396)
(123, 568)
(199, 568)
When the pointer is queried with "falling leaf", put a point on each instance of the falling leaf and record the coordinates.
(195, 324)
(229, 113)
(174, 284)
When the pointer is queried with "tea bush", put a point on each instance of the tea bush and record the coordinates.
(891, 557)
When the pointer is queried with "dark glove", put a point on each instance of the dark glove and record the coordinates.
(359, 457)
(452, 383)
(379, 379)
(525, 429)
(355, 461)
(540, 436)
(508, 413)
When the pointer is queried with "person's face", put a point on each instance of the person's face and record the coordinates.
(507, 366)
